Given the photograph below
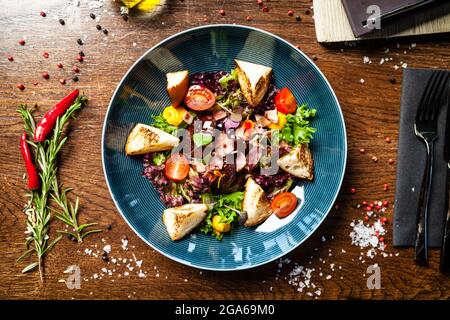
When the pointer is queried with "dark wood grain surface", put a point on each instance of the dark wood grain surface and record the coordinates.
(371, 111)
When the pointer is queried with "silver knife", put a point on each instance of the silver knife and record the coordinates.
(445, 250)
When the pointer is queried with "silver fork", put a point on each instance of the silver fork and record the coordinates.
(426, 129)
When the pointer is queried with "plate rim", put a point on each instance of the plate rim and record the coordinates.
(184, 262)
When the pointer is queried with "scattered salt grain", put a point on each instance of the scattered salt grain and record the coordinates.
(124, 244)
(107, 249)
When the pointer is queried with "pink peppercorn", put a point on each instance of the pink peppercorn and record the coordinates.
(43, 14)
(45, 75)
(80, 58)
(20, 86)
(353, 190)
(10, 58)
(222, 12)
(362, 150)
(60, 65)
(290, 13)
(385, 187)
(22, 42)
(388, 140)
(75, 69)
(62, 81)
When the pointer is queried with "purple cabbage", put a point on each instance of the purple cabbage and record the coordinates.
(269, 183)
(167, 190)
(268, 102)
(211, 81)
(174, 194)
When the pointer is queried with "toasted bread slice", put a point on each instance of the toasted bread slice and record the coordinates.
(144, 139)
(255, 204)
(181, 220)
(254, 80)
(299, 162)
(177, 86)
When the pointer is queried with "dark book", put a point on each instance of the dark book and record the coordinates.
(366, 16)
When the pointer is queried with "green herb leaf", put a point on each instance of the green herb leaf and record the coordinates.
(227, 206)
(161, 123)
(159, 158)
(226, 79)
(30, 267)
(202, 139)
(298, 129)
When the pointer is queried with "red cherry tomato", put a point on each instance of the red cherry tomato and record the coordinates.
(283, 204)
(285, 101)
(199, 98)
(177, 167)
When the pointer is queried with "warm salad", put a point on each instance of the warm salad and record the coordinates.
(227, 151)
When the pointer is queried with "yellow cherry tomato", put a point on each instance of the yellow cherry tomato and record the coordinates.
(219, 226)
(174, 116)
(281, 122)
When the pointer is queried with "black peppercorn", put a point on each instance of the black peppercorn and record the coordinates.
(92, 15)
(80, 42)
(298, 18)
(62, 22)
(75, 78)
(109, 227)
(105, 31)
(99, 27)
(307, 11)
(125, 17)
(81, 53)
(315, 58)
(392, 80)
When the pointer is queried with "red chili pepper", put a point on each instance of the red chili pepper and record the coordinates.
(48, 121)
(248, 125)
(33, 177)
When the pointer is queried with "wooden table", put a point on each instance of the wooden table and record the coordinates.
(371, 111)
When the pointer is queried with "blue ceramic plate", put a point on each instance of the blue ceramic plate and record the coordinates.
(142, 93)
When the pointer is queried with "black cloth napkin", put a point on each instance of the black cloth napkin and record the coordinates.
(401, 9)
(411, 165)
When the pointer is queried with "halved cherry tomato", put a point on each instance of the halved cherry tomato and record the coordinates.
(285, 101)
(283, 204)
(199, 98)
(177, 167)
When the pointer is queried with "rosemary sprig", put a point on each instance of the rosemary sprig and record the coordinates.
(37, 210)
(69, 214)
